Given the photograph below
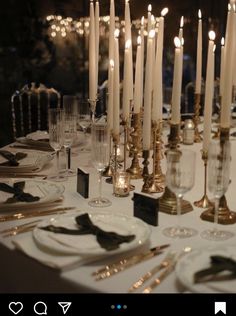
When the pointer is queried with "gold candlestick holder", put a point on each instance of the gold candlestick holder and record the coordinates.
(168, 201)
(135, 170)
(204, 202)
(157, 180)
(225, 216)
(174, 136)
(108, 171)
(116, 139)
(196, 119)
(146, 176)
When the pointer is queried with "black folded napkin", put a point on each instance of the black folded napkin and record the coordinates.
(107, 240)
(12, 159)
(18, 194)
(218, 264)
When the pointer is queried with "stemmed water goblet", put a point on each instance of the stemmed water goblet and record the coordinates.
(56, 137)
(219, 155)
(180, 179)
(100, 154)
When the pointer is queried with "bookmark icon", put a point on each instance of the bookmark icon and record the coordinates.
(220, 307)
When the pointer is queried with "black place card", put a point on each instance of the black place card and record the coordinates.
(146, 208)
(83, 183)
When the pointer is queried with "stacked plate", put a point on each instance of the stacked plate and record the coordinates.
(48, 192)
(36, 140)
(199, 259)
(33, 162)
(87, 245)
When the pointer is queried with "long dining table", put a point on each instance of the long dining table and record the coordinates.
(20, 273)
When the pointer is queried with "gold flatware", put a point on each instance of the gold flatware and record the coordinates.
(8, 230)
(170, 267)
(165, 262)
(125, 263)
(20, 231)
(36, 213)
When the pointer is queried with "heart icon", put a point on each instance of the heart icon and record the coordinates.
(15, 307)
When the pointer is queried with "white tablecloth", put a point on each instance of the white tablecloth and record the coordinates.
(19, 273)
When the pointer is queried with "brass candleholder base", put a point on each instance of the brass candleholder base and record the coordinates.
(115, 142)
(196, 119)
(168, 203)
(157, 180)
(108, 172)
(204, 202)
(174, 136)
(225, 216)
(146, 176)
(135, 170)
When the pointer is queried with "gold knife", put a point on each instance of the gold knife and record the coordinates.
(128, 262)
(165, 262)
(17, 216)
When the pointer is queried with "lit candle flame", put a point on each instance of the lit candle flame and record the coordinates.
(212, 35)
(164, 11)
(151, 34)
(149, 8)
(199, 14)
(214, 48)
(127, 44)
(139, 40)
(142, 21)
(222, 41)
(182, 22)
(117, 33)
(182, 41)
(177, 42)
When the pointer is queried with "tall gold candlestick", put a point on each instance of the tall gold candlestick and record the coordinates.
(225, 216)
(135, 170)
(204, 202)
(157, 180)
(108, 171)
(146, 176)
(196, 118)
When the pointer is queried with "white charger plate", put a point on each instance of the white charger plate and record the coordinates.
(46, 190)
(200, 259)
(87, 244)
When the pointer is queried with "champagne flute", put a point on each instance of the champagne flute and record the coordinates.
(180, 179)
(218, 181)
(100, 153)
(56, 137)
(84, 121)
(69, 105)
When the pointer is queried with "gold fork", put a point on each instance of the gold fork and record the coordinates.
(20, 231)
(8, 230)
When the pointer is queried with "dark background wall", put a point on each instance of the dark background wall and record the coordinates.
(27, 53)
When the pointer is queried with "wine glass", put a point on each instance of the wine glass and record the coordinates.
(100, 153)
(84, 114)
(218, 181)
(180, 179)
(70, 130)
(56, 137)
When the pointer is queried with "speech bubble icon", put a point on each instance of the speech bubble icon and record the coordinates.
(40, 308)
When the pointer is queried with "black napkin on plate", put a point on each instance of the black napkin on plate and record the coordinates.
(18, 194)
(12, 160)
(218, 264)
(107, 240)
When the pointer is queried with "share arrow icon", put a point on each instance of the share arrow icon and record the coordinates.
(65, 306)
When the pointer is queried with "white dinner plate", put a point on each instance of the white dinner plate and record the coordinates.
(38, 135)
(87, 244)
(33, 162)
(47, 191)
(200, 259)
